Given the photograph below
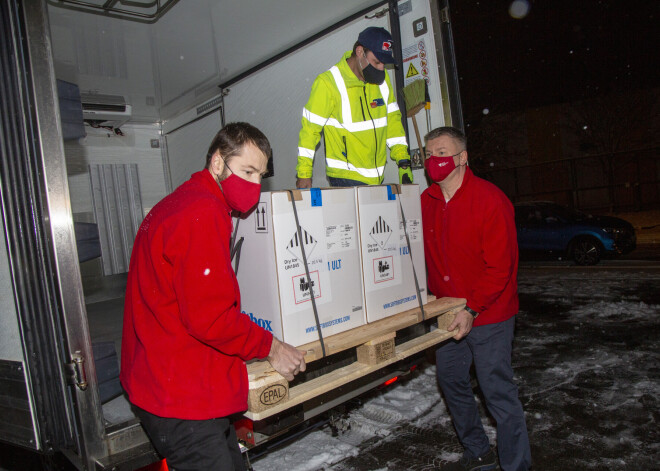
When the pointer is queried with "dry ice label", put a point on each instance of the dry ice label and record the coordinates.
(381, 232)
(383, 269)
(303, 287)
(296, 245)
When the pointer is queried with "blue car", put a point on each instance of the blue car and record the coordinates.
(546, 228)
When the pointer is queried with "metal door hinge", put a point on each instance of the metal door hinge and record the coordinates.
(378, 14)
(75, 371)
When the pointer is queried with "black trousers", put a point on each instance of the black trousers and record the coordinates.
(340, 182)
(489, 348)
(194, 445)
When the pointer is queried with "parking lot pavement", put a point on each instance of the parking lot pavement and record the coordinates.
(647, 254)
(586, 358)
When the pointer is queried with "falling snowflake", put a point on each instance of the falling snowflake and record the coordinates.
(519, 9)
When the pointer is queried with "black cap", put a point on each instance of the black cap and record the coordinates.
(379, 41)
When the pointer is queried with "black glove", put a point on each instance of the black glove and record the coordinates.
(405, 172)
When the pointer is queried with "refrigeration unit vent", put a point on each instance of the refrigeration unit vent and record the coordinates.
(105, 110)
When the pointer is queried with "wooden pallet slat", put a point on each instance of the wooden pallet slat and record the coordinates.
(310, 389)
(377, 350)
(360, 335)
(270, 393)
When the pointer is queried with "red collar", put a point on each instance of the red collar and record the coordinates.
(205, 178)
(436, 192)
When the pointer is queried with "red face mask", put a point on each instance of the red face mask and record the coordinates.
(240, 194)
(439, 168)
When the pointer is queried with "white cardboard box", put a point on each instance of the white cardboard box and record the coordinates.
(387, 269)
(271, 273)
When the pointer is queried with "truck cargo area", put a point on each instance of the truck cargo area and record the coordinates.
(111, 106)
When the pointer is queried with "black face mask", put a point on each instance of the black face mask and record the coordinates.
(372, 74)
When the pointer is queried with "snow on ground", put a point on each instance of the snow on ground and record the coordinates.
(379, 416)
(587, 362)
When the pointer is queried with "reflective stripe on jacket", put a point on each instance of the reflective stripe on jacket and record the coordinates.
(358, 121)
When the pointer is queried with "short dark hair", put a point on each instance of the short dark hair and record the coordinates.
(231, 139)
(447, 131)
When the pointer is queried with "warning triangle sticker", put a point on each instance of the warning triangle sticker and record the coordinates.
(294, 244)
(412, 71)
(380, 232)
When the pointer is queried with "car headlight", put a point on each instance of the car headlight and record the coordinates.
(614, 230)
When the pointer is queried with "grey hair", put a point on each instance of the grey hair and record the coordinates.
(447, 131)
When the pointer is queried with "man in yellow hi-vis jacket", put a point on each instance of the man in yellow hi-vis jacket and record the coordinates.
(354, 105)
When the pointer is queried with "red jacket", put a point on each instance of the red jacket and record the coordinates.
(185, 340)
(471, 248)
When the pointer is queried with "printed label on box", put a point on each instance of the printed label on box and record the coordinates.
(384, 225)
(381, 232)
(301, 287)
(295, 245)
(383, 269)
(330, 323)
(414, 229)
(381, 236)
(340, 237)
(291, 265)
(261, 218)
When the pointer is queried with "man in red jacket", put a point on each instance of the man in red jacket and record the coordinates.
(472, 253)
(185, 340)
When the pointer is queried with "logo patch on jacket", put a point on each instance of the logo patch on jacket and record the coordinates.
(377, 102)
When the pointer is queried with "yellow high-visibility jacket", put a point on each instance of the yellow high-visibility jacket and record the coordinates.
(358, 121)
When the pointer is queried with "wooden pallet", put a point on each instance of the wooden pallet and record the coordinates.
(270, 393)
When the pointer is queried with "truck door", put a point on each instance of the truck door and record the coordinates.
(48, 396)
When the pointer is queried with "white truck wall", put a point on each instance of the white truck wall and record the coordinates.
(187, 58)
(201, 43)
(167, 67)
(187, 147)
(107, 56)
(142, 61)
(273, 100)
(103, 147)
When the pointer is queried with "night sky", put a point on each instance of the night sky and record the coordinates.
(560, 51)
